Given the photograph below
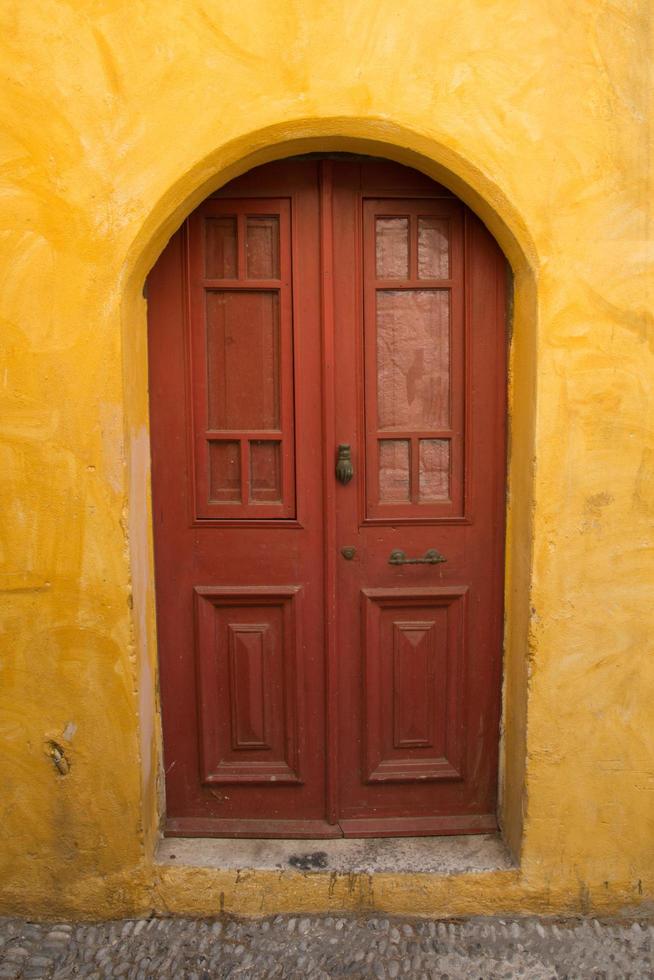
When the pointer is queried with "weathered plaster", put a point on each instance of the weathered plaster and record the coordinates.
(117, 119)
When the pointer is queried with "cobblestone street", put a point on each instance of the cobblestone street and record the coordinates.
(308, 948)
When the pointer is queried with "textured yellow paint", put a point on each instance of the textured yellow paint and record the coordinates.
(117, 118)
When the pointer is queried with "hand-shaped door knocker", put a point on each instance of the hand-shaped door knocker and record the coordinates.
(344, 468)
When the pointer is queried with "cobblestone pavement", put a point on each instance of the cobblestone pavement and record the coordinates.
(308, 948)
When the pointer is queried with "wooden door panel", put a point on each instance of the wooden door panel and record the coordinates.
(312, 686)
(422, 317)
(239, 552)
(250, 684)
(413, 290)
(414, 650)
(241, 334)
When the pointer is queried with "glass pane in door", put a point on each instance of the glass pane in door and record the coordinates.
(413, 358)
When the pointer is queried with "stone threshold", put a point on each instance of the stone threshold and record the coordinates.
(456, 855)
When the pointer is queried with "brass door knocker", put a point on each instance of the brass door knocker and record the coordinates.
(344, 468)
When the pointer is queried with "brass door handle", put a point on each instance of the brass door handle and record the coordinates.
(431, 557)
(344, 468)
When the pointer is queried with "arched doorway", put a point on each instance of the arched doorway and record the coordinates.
(327, 398)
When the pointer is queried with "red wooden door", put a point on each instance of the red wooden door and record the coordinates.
(316, 679)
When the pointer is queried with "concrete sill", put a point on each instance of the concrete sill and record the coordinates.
(446, 856)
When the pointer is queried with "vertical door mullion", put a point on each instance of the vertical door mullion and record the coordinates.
(245, 471)
(413, 248)
(414, 466)
(241, 270)
(326, 178)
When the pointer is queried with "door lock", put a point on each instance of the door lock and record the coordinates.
(348, 552)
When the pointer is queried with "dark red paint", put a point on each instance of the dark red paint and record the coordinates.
(311, 303)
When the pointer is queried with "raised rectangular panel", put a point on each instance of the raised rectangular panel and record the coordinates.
(220, 247)
(249, 653)
(265, 470)
(414, 654)
(414, 649)
(262, 247)
(224, 470)
(242, 359)
(248, 690)
(243, 354)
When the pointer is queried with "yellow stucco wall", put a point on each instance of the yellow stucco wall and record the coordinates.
(118, 116)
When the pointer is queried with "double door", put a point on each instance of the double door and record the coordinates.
(327, 378)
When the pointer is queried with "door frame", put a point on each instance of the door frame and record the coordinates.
(453, 801)
(505, 223)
